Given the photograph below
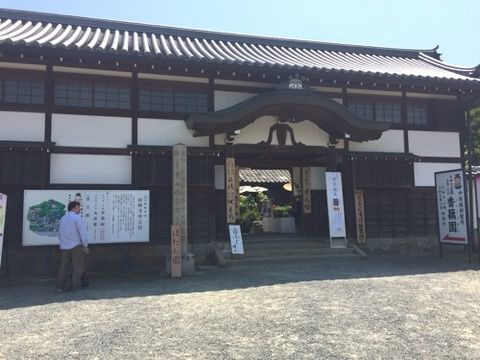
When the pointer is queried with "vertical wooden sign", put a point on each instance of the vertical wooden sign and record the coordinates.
(307, 198)
(179, 192)
(360, 217)
(230, 189)
(297, 181)
(176, 262)
(237, 193)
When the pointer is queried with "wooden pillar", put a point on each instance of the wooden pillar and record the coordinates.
(179, 192)
(230, 190)
(331, 159)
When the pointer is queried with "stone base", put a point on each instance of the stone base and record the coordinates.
(188, 264)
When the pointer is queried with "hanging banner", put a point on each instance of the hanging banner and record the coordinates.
(110, 216)
(297, 181)
(360, 217)
(230, 189)
(336, 216)
(236, 239)
(3, 215)
(451, 207)
(307, 196)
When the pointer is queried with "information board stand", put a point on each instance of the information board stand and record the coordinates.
(336, 215)
(452, 209)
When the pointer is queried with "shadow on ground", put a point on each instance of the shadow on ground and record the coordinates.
(32, 292)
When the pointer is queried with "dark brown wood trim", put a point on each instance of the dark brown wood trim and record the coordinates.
(89, 150)
(160, 83)
(93, 78)
(105, 61)
(403, 110)
(439, 159)
(49, 93)
(134, 107)
(211, 94)
(240, 88)
(163, 116)
(65, 186)
(92, 111)
(26, 145)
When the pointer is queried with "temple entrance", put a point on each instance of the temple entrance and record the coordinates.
(267, 202)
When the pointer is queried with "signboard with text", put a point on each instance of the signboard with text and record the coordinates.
(336, 217)
(110, 216)
(360, 217)
(451, 207)
(176, 264)
(236, 239)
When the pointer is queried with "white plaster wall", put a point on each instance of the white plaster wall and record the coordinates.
(425, 172)
(90, 169)
(219, 177)
(91, 130)
(317, 178)
(390, 141)
(219, 139)
(305, 132)
(164, 132)
(10, 65)
(225, 99)
(78, 70)
(22, 126)
(434, 143)
(173, 78)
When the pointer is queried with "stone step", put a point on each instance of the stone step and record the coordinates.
(292, 251)
(294, 244)
(278, 258)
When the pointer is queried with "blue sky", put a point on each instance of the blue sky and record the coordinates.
(421, 24)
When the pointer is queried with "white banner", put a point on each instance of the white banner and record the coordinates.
(451, 205)
(336, 216)
(3, 214)
(236, 239)
(110, 216)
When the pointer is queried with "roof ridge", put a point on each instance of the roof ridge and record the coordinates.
(63, 19)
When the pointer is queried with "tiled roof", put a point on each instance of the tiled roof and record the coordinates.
(22, 28)
(264, 176)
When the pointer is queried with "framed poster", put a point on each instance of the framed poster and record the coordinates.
(451, 207)
(110, 216)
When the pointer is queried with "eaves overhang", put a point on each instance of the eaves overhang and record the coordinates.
(288, 106)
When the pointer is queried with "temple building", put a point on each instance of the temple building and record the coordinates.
(111, 105)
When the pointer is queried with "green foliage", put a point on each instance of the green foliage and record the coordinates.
(249, 211)
(475, 132)
(282, 211)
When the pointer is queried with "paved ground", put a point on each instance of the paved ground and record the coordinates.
(385, 307)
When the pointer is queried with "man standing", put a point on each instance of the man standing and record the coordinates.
(73, 246)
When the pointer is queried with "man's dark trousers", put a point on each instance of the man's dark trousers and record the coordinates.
(71, 263)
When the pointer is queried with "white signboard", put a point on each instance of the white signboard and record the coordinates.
(336, 216)
(3, 214)
(236, 239)
(110, 216)
(451, 205)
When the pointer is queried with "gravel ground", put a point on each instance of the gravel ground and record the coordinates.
(385, 307)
